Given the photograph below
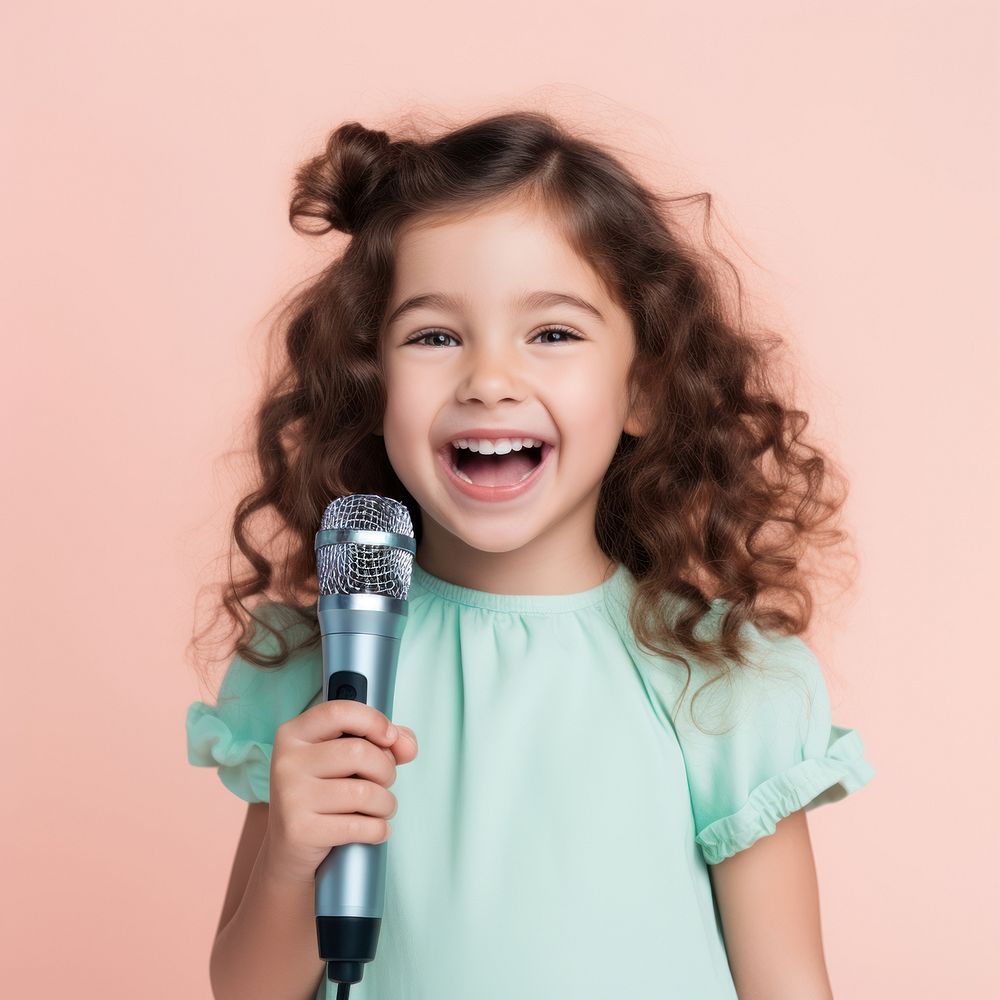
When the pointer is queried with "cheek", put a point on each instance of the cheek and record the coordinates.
(406, 421)
(400, 397)
(591, 406)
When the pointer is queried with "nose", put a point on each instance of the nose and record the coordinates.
(492, 373)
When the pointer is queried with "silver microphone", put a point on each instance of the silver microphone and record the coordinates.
(364, 558)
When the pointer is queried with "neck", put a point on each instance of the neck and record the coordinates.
(546, 565)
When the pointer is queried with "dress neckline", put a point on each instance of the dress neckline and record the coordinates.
(521, 603)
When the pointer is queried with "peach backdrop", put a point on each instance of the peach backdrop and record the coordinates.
(851, 150)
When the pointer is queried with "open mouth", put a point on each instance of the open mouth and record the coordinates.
(494, 470)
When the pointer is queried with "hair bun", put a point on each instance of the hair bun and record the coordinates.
(336, 186)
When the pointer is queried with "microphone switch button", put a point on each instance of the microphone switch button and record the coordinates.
(347, 685)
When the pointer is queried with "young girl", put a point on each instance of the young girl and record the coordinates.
(620, 729)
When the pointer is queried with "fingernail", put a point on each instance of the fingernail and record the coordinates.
(411, 734)
(392, 732)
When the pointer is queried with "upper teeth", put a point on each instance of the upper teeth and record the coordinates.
(499, 447)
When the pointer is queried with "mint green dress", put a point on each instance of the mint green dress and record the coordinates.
(553, 833)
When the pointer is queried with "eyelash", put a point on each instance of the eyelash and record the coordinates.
(549, 329)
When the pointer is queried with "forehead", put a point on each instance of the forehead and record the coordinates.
(490, 249)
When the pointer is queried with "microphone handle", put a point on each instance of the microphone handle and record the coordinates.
(360, 636)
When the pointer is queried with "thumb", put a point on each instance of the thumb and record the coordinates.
(405, 748)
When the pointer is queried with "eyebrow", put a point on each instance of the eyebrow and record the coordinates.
(532, 300)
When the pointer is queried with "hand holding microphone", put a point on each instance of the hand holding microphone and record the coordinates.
(331, 769)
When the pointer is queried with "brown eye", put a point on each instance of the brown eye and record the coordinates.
(420, 337)
(559, 329)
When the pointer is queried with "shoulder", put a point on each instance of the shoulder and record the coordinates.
(782, 676)
(779, 674)
(236, 734)
(757, 737)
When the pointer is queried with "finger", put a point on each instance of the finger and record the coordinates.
(404, 749)
(331, 719)
(356, 795)
(353, 828)
(350, 756)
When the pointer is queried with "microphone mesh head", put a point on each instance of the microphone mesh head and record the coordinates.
(354, 568)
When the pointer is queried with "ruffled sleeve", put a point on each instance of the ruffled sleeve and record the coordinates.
(236, 734)
(769, 747)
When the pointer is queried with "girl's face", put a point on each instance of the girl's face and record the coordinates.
(488, 360)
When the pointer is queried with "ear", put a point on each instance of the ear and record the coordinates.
(637, 421)
(633, 427)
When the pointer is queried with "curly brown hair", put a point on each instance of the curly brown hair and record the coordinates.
(720, 498)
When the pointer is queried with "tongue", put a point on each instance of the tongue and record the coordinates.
(497, 470)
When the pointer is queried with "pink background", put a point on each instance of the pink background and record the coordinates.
(851, 150)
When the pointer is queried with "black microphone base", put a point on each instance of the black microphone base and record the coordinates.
(345, 944)
(344, 972)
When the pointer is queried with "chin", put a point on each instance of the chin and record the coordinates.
(506, 544)
(502, 535)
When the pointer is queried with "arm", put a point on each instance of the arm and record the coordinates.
(769, 905)
(265, 946)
